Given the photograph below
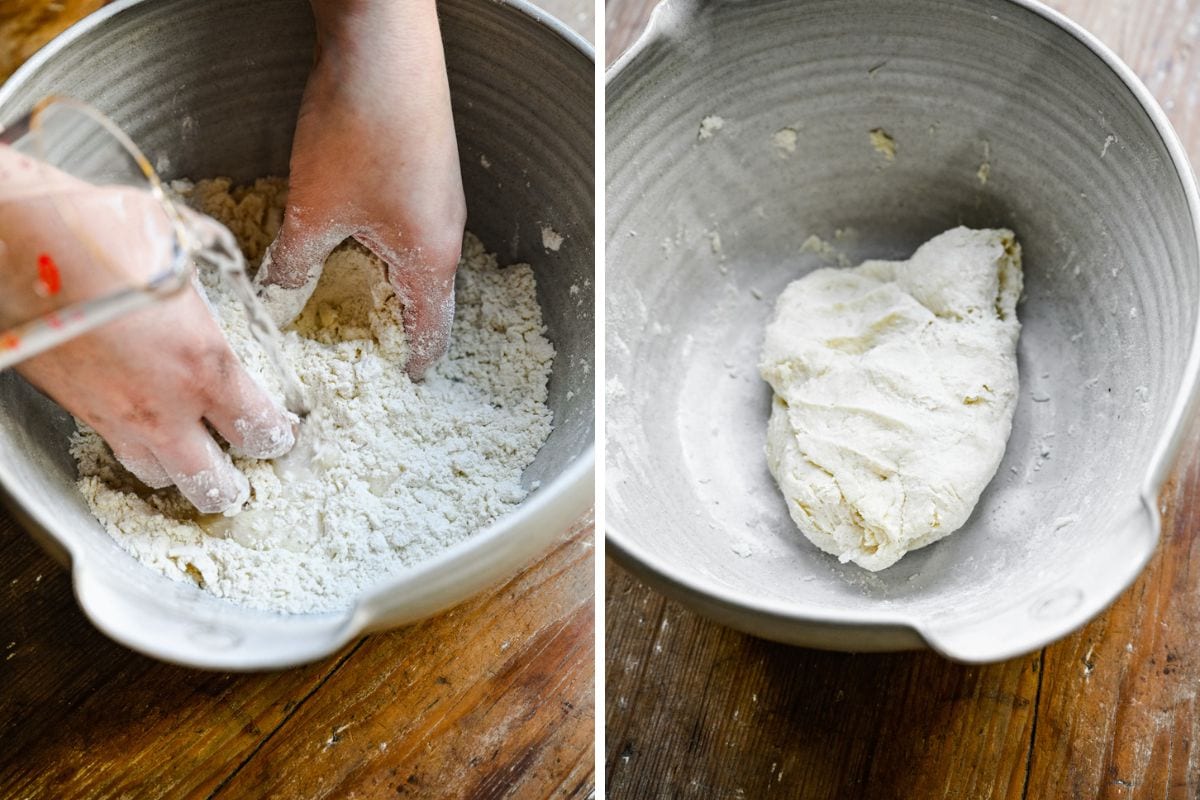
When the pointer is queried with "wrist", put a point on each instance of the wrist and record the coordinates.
(347, 20)
(368, 48)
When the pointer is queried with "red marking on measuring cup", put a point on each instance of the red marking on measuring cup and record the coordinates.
(48, 274)
(54, 321)
(9, 341)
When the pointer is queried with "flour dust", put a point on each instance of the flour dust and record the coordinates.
(387, 472)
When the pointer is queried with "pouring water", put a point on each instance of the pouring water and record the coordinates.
(218, 249)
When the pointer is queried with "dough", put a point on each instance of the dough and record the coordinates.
(895, 384)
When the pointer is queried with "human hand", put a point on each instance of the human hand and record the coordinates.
(375, 158)
(148, 382)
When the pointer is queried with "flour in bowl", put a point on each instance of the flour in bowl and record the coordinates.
(386, 472)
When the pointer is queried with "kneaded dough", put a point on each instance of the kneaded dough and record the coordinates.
(895, 384)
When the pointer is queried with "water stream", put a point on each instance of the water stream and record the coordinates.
(221, 251)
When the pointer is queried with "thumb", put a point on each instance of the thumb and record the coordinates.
(292, 265)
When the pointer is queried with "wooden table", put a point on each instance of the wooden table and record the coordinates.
(492, 699)
(698, 711)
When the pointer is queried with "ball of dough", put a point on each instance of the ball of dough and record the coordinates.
(895, 384)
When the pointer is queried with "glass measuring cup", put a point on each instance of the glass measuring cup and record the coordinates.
(57, 156)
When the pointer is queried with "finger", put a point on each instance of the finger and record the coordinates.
(299, 250)
(292, 265)
(423, 279)
(142, 464)
(203, 473)
(250, 420)
(428, 317)
(137, 459)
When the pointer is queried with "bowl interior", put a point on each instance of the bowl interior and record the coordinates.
(999, 117)
(523, 104)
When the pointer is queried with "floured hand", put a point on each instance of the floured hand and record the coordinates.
(149, 382)
(375, 158)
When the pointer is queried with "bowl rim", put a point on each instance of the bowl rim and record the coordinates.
(627, 550)
(570, 492)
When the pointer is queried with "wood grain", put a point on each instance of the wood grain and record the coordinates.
(492, 699)
(26, 25)
(698, 711)
(433, 723)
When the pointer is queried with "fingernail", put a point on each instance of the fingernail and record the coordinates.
(222, 489)
(270, 436)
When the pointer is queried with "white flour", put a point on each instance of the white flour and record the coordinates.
(386, 473)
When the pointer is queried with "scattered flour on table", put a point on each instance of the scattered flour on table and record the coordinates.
(386, 472)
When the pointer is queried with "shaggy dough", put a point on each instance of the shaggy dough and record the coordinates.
(895, 384)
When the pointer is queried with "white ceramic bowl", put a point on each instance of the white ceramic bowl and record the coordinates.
(1081, 163)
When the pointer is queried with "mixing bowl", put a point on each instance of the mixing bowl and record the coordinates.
(212, 88)
(749, 143)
